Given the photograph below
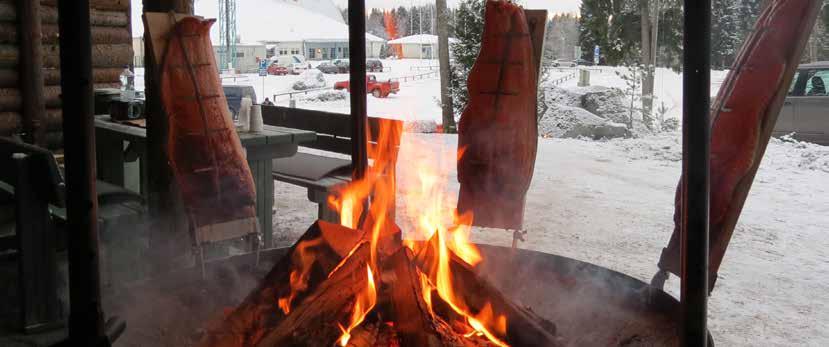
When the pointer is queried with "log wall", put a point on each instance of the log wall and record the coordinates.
(112, 50)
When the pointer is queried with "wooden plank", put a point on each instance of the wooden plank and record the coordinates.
(316, 121)
(537, 22)
(36, 246)
(299, 135)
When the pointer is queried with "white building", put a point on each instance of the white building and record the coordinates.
(312, 28)
(421, 46)
(247, 56)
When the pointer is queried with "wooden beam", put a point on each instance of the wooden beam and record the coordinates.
(31, 73)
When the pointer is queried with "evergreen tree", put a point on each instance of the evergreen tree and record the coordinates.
(726, 32)
(401, 17)
(468, 29)
(613, 25)
(374, 23)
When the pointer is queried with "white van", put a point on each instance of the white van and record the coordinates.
(295, 63)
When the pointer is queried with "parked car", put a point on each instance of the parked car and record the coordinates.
(374, 65)
(234, 95)
(276, 69)
(328, 67)
(342, 65)
(584, 62)
(380, 89)
(295, 63)
(564, 63)
(806, 108)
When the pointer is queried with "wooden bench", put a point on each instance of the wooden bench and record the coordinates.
(31, 179)
(321, 173)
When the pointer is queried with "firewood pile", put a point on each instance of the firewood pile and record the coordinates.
(325, 293)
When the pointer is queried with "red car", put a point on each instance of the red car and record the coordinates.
(275, 69)
(380, 89)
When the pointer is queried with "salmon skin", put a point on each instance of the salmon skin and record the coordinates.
(743, 117)
(205, 152)
(498, 132)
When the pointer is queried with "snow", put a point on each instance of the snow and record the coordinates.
(281, 21)
(425, 39)
(310, 79)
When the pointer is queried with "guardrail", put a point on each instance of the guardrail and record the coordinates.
(422, 76)
(430, 67)
(291, 94)
(563, 79)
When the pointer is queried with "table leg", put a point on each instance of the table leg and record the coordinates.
(263, 180)
(110, 158)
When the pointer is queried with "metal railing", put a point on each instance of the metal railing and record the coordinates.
(563, 79)
(430, 68)
(422, 76)
(291, 94)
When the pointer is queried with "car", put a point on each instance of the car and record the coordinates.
(563, 63)
(379, 89)
(584, 62)
(294, 63)
(234, 95)
(804, 112)
(374, 65)
(328, 67)
(278, 70)
(342, 65)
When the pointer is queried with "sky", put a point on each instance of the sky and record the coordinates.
(554, 6)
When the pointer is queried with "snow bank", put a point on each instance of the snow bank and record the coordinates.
(310, 79)
(326, 96)
(420, 126)
(800, 155)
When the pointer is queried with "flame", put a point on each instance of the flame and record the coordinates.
(304, 258)
(363, 304)
(391, 31)
(429, 214)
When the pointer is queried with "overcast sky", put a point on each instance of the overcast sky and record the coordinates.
(554, 6)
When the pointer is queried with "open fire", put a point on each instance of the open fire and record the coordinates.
(362, 284)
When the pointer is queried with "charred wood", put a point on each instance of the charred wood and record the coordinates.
(260, 309)
(411, 314)
(314, 321)
(524, 328)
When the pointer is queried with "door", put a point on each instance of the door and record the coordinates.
(812, 109)
(785, 120)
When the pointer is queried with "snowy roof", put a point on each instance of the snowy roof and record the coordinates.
(280, 21)
(424, 39)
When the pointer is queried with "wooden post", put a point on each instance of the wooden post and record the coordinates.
(161, 198)
(446, 101)
(31, 72)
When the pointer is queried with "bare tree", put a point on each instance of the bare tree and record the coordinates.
(443, 56)
(647, 58)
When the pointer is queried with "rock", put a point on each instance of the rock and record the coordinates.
(310, 79)
(607, 103)
(570, 122)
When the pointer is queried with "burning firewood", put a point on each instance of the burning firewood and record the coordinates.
(315, 321)
(322, 247)
(523, 328)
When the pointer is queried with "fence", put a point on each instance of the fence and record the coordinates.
(430, 68)
(564, 78)
(422, 76)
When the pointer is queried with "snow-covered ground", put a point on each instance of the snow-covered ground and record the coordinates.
(611, 203)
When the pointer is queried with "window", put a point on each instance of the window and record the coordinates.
(294, 51)
(816, 84)
(240, 54)
(311, 53)
(794, 83)
(283, 52)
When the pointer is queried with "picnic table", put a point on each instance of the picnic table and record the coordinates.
(261, 148)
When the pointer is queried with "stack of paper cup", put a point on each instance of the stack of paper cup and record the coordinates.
(244, 115)
(256, 122)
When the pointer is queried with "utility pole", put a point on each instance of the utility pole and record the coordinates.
(443, 55)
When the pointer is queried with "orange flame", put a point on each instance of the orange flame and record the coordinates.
(305, 259)
(363, 304)
(391, 31)
(429, 212)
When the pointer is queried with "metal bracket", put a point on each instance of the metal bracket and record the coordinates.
(517, 235)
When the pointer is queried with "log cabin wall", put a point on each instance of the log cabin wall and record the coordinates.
(112, 50)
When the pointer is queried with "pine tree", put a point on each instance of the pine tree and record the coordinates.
(726, 32)
(468, 30)
(375, 24)
(613, 25)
